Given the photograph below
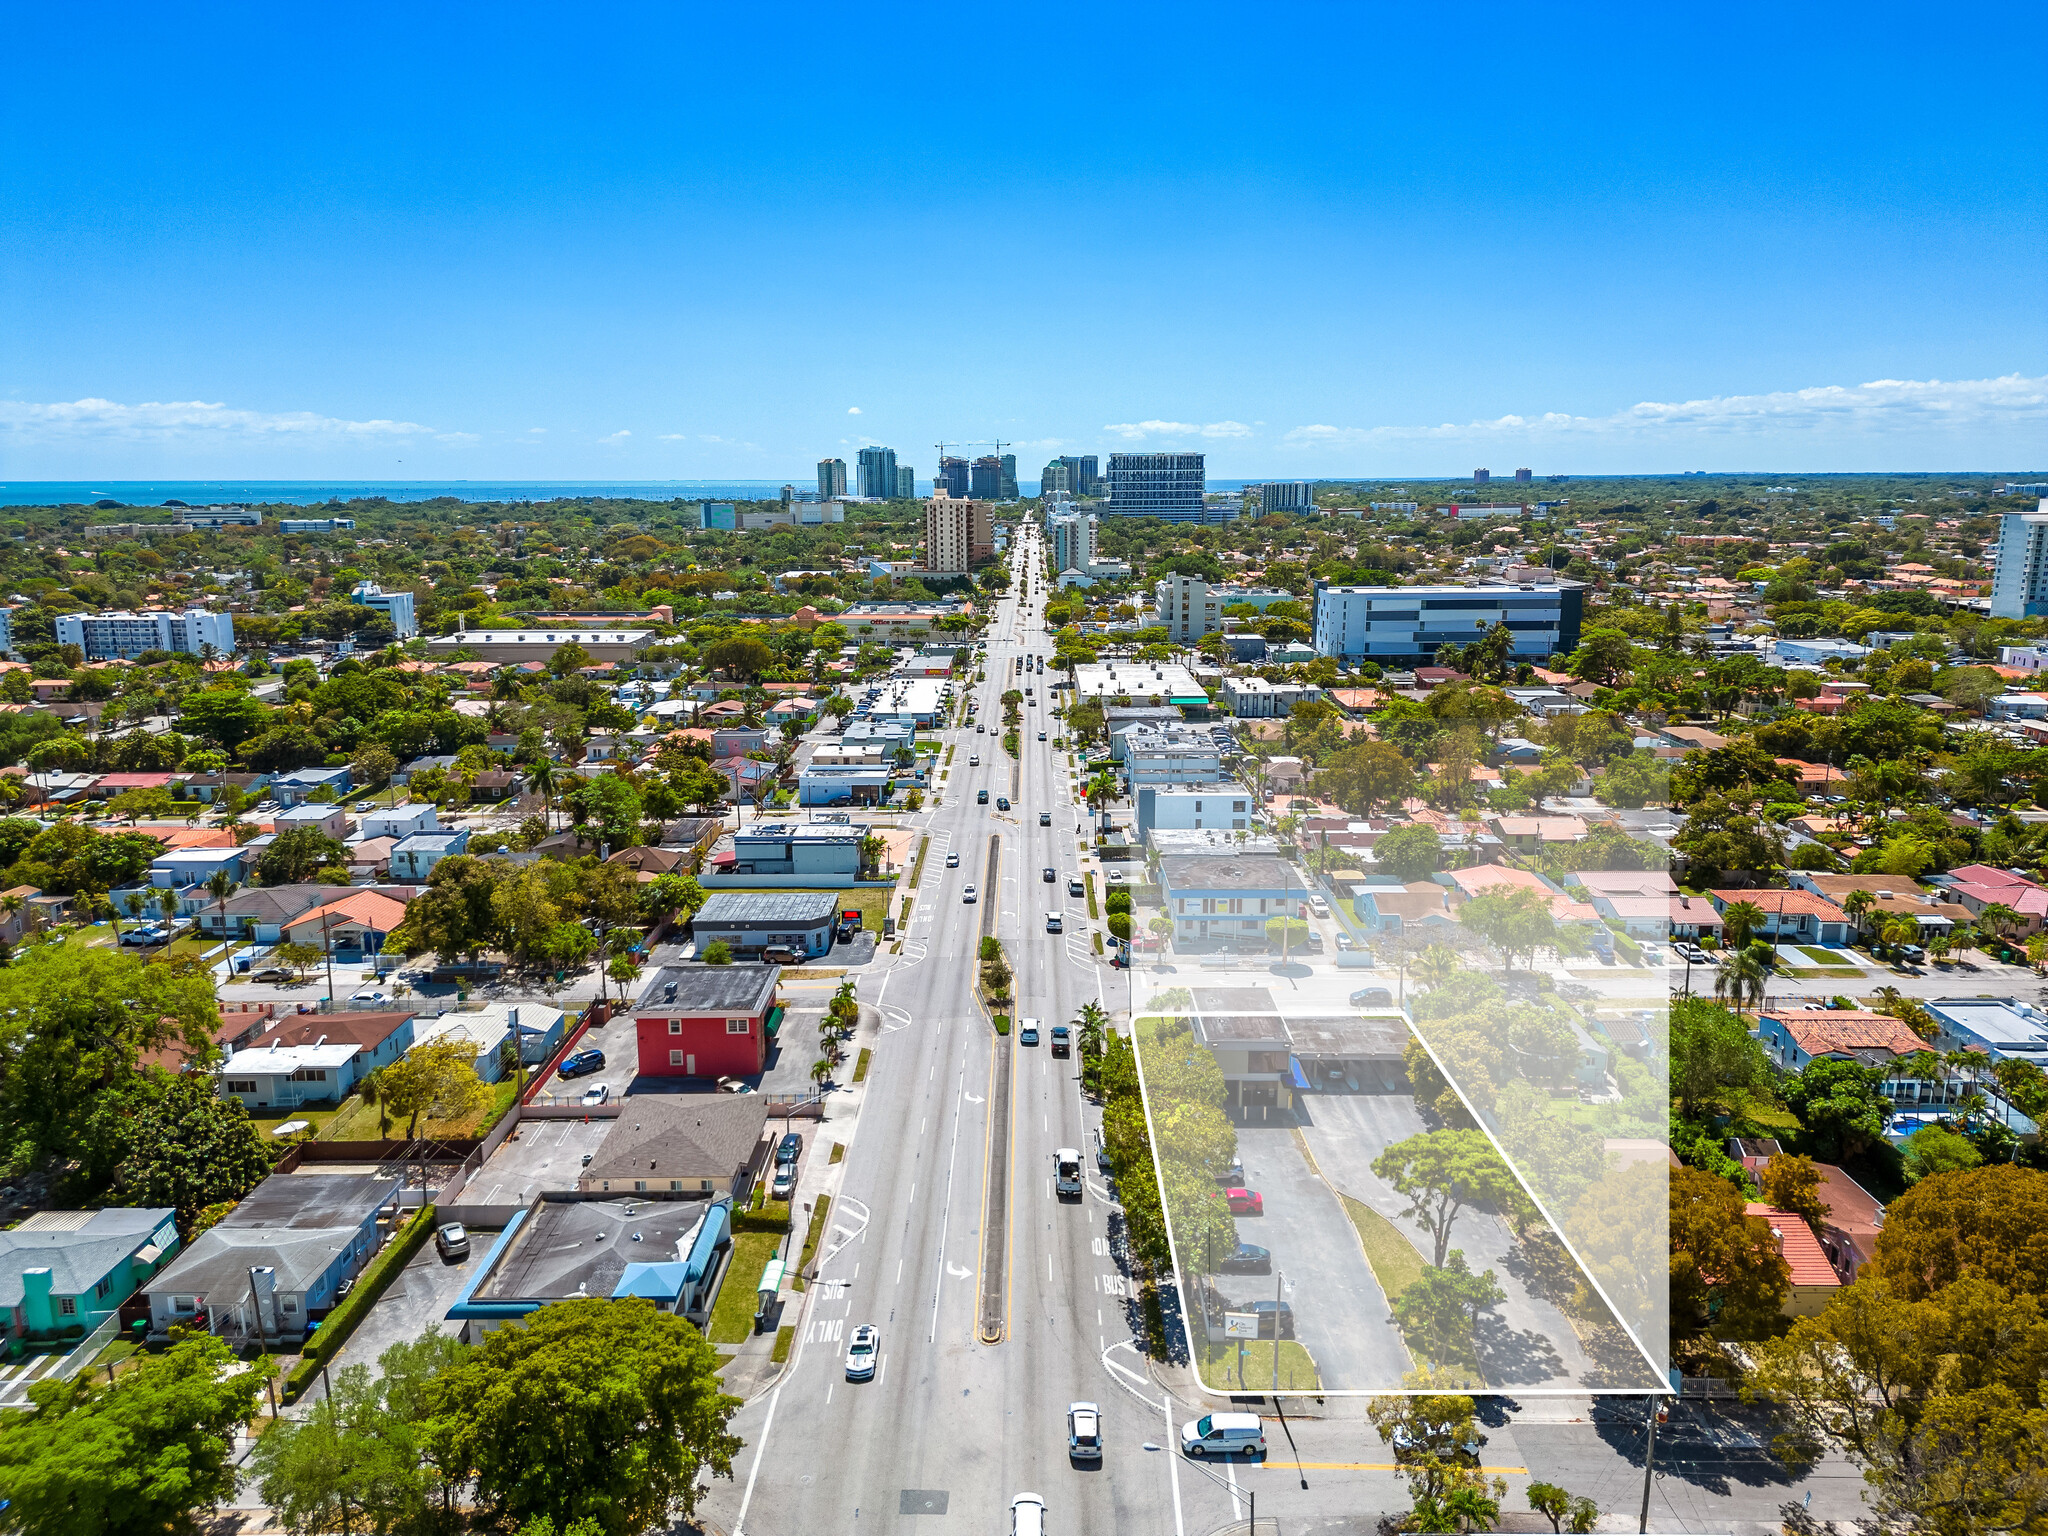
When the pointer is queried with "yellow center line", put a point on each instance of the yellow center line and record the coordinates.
(1366, 1466)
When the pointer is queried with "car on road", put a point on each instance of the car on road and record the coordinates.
(952, 861)
(1041, 735)
(1066, 1172)
(1084, 1432)
(1245, 1202)
(1062, 1040)
(1055, 923)
(974, 759)
(1372, 997)
(451, 1240)
(370, 995)
(981, 797)
(1075, 887)
(1343, 941)
(969, 895)
(1002, 804)
(1050, 873)
(1223, 1434)
(734, 1085)
(274, 973)
(1250, 1259)
(595, 1094)
(580, 1062)
(1027, 1031)
(980, 729)
(1027, 1515)
(863, 1353)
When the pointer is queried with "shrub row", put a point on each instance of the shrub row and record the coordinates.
(341, 1322)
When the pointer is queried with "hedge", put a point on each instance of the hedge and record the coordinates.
(334, 1331)
(773, 1216)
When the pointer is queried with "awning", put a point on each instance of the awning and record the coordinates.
(725, 858)
(1300, 1078)
(771, 1278)
(774, 1020)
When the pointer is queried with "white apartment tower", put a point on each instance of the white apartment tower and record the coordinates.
(125, 636)
(2019, 589)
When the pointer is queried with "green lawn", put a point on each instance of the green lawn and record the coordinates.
(818, 1214)
(1394, 1260)
(1219, 1366)
(1819, 973)
(732, 1316)
(318, 1114)
(357, 1121)
(1819, 956)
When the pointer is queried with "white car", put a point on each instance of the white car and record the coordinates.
(968, 896)
(371, 995)
(1055, 923)
(974, 759)
(952, 861)
(1027, 1515)
(596, 1093)
(863, 1353)
(1084, 1429)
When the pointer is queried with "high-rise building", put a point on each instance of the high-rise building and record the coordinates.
(1072, 536)
(2019, 586)
(877, 473)
(1524, 476)
(953, 476)
(957, 533)
(1084, 474)
(1481, 476)
(1056, 478)
(1167, 485)
(1008, 484)
(1287, 495)
(906, 483)
(987, 480)
(107, 636)
(831, 478)
(788, 495)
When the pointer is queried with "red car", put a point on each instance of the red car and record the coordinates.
(1245, 1202)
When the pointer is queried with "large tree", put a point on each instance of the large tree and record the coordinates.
(1409, 852)
(591, 1409)
(1363, 778)
(1989, 1223)
(1716, 1064)
(1724, 1264)
(1442, 1173)
(143, 1456)
(298, 854)
(1840, 1104)
(177, 1142)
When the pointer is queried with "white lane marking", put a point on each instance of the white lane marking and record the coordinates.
(899, 1271)
(946, 1217)
(1236, 1508)
(1172, 1463)
(1048, 1269)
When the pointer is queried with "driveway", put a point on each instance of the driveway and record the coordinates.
(418, 1299)
(539, 1155)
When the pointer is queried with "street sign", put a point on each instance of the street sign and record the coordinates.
(1240, 1325)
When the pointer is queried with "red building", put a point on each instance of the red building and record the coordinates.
(699, 1020)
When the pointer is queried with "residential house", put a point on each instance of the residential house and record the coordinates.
(652, 863)
(490, 1031)
(63, 1273)
(1530, 834)
(1421, 905)
(1977, 886)
(301, 784)
(357, 922)
(259, 915)
(278, 1261)
(707, 1020)
(682, 1146)
(1790, 916)
(1848, 1233)
(802, 853)
(1890, 894)
(328, 820)
(1695, 917)
(314, 1058)
(1814, 1281)
(400, 821)
(413, 857)
(1484, 879)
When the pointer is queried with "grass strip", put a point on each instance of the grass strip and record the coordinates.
(732, 1315)
(1091, 895)
(1098, 941)
(1002, 1022)
(1395, 1263)
(860, 1075)
(785, 1336)
(1220, 1367)
(838, 1152)
(818, 1214)
(917, 869)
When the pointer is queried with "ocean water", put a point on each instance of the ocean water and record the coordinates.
(204, 493)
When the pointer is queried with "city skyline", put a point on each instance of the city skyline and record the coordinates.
(1789, 281)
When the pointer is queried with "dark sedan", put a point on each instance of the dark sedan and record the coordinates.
(1250, 1259)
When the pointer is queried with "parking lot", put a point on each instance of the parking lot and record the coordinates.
(541, 1154)
(418, 1299)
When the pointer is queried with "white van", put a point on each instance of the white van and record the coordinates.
(1223, 1434)
(1027, 1515)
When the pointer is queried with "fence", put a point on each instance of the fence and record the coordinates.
(14, 1391)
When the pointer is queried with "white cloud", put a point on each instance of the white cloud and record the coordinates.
(1132, 431)
(617, 437)
(1889, 407)
(673, 437)
(458, 439)
(536, 429)
(189, 421)
(853, 410)
(1226, 429)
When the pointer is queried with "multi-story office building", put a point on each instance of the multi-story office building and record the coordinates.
(395, 606)
(958, 532)
(1287, 496)
(1190, 608)
(877, 473)
(1167, 485)
(1406, 625)
(2019, 586)
(1006, 482)
(219, 517)
(953, 475)
(315, 524)
(906, 483)
(125, 636)
(1523, 477)
(1481, 476)
(831, 478)
(6, 632)
(1056, 479)
(986, 479)
(1084, 474)
(723, 514)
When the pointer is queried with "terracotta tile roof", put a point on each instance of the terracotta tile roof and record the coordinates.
(366, 907)
(1812, 773)
(1791, 903)
(357, 1029)
(1802, 1250)
(1846, 1031)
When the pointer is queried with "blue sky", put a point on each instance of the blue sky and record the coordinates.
(494, 242)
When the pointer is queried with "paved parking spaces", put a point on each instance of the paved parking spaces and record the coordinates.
(541, 1154)
(621, 1050)
(1524, 1342)
(418, 1299)
(1340, 1312)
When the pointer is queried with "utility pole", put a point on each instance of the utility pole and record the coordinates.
(1649, 1466)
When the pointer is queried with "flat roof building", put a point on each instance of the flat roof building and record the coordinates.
(1408, 624)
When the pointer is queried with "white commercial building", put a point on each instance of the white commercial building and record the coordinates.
(1141, 682)
(1190, 608)
(1253, 698)
(2019, 588)
(395, 606)
(219, 517)
(108, 636)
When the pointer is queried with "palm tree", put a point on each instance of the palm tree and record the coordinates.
(1436, 965)
(1997, 917)
(540, 773)
(1857, 905)
(1742, 978)
(167, 903)
(1091, 1025)
(1908, 1012)
(135, 902)
(220, 885)
(371, 1091)
(821, 1071)
(1741, 921)
(624, 970)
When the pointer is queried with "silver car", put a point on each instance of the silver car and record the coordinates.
(1084, 1432)
(863, 1353)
